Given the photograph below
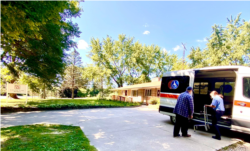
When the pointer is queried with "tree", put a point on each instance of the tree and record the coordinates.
(35, 36)
(198, 58)
(112, 55)
(98, 76)
(165, 65)
(38, 85)
(228, 45)
(73, 73)
(23, 19)
(127, 62)
(147, 60)
(178, 65)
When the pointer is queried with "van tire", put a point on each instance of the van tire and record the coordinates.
(173, 119)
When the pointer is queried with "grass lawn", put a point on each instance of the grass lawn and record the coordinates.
(44, 137)
(15, 102)
(80, 101)
(65, 103)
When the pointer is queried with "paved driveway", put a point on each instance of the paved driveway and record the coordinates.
(122, 129)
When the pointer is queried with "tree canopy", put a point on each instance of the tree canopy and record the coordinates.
(35, 36)
(228, 45)
(129, 62)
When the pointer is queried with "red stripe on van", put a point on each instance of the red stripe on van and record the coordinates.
(172, 96)
(241, 103)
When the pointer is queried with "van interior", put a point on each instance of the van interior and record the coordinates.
(221, 81)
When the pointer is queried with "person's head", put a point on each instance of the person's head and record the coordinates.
(215, 93)
(189, 90)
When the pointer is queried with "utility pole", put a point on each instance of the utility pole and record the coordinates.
(184, 49)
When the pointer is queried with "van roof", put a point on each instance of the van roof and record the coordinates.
(225, 68)
(240, 69)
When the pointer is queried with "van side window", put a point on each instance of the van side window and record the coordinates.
(219, 87)
(246, 87)
(229, 88)
(196, 87)
(204, 88)
(201, 88)
(226, 89)
(177, 84)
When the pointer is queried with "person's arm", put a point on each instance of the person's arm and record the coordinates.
(191, 106)
(213, 104)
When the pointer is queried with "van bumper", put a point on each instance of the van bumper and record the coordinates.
(166, 110)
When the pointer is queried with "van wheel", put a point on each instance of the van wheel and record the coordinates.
(173, 119)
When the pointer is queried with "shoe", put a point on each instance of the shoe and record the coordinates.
(214, 137)
(177, 135)
(186, 135)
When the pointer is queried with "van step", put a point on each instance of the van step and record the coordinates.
(226, 117)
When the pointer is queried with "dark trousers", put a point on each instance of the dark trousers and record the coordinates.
(215, 118)
(181, 123)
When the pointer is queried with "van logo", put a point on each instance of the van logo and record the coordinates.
(173, 84)
(242, 104)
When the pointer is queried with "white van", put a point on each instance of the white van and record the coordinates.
(233, 82)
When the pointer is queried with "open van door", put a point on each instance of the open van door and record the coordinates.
(241, 104)
(173, 84)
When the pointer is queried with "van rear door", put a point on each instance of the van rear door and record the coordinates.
(173, 84)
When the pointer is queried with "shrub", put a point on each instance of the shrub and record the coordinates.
(73, 105)
(155, 100)
(67, 92)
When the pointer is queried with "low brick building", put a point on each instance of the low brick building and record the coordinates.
(139, 92)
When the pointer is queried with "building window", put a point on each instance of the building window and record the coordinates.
(158, 93)
(134, 93)
(126, 92)
(148, 92)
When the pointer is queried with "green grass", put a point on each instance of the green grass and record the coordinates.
(66, 103)
(43, 137)
(15, 102)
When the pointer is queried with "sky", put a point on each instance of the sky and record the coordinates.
(164, 23)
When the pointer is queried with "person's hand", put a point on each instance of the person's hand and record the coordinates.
(191, 117)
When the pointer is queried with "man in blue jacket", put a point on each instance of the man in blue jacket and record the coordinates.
(184, 109)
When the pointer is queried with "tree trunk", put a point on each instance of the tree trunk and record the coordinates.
(73, 82)
(119, 84)
(13, 95)
(72, 95)
(44, 93)
(102, 86)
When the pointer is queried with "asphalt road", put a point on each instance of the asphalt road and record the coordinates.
(125, 129)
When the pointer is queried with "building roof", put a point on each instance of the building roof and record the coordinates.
(156, 84)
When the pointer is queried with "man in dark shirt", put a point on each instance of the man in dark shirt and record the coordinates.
(184, 109)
